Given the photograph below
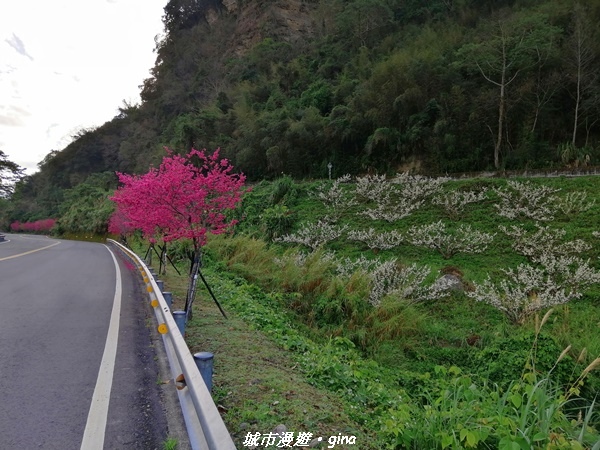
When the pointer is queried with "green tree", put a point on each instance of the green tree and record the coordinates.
(10, 173)
(86, 208)
(363, 21)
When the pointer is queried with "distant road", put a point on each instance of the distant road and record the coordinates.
(74, 326)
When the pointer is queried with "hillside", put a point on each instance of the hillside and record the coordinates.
(289, 86)
(410, 370)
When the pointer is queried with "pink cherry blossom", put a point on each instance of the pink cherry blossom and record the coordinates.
(38, 226)
(186, 197)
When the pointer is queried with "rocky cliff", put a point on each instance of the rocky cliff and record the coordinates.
(288, 20)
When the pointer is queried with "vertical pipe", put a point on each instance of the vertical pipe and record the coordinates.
(204, 362)
(168, 298)
(179, 317)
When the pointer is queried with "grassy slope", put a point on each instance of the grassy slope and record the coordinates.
(261, 381)
(479, 319)
(257, 383)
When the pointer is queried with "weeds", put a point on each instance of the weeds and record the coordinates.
(170, 444)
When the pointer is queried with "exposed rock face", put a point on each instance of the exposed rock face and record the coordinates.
(287, 20)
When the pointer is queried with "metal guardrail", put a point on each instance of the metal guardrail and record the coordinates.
(204, 424)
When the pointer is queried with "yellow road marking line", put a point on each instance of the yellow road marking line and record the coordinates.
(29, 252)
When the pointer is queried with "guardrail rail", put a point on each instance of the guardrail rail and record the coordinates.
(205, 427)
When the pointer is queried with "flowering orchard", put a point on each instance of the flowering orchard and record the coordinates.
(554, 274)
(361, 281)
(186, 197)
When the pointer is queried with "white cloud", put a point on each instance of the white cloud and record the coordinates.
(12, 115)
(69, 65)
(18, 45)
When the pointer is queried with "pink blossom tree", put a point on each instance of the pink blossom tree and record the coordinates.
(186, 197)
(118, 224)
(39, 226)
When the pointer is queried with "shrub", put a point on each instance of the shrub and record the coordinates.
(277, 221)
(283, 191)
(509, 358)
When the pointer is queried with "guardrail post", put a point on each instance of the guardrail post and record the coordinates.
(168, 298)
(204, 361)
(161, 285)
(179, 317)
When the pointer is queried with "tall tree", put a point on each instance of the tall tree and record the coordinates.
(10, 173)
(583, 49)
(508, 48)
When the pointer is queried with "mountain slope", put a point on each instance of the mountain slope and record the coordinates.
(289, 86)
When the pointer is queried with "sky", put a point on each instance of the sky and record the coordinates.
(68, 65)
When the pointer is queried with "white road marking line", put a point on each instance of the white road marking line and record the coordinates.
(95, 429)
(29, 252)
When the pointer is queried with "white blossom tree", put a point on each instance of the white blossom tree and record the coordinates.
(406, 282)
(573, 203)
(346, 267)
(527, 289)
(524, 199)
(389, 277)
(436, 236)
(389, 204)
(454, 202)
(535, 244)
(374, 240)
(397, 198)
(374, 188)
(418, 187)
(314, 235)
(335, 200)
(570, 270)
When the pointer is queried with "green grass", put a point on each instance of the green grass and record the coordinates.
(299, 329)
(170, 444)
(268, 372)
(257, 383)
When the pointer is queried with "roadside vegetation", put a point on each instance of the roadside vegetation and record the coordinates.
(394, 355)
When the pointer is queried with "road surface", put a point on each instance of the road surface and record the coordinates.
(79, 368)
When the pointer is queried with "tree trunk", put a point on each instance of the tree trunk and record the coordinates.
(501, 106)
(192, 283)
(162, 269)
(498, 145)
(584, 56)
(577, 100)
(148, 257)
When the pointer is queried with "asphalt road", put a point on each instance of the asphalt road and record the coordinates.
(79, 367)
